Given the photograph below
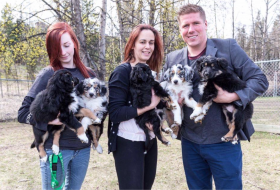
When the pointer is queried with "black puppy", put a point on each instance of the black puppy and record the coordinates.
(56, 101)
(141, 84)
(215, 71)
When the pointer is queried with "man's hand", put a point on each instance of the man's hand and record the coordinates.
(180, 99)
(225, 96)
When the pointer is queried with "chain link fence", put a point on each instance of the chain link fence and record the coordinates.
(266, 107)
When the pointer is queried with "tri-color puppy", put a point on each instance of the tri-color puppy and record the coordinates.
(141, 84)
(56, 101)
(91, 93)
(179, 80)
(212, 71)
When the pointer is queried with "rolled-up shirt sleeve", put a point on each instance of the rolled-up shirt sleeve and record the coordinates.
(248, 71)
(118, 96)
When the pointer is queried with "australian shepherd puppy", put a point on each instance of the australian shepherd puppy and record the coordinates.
(141, 84)
(57, 101)
(212, 71)
(91, 94)
(177, 79)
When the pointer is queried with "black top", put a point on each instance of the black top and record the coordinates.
(120, 102)
(68, 139)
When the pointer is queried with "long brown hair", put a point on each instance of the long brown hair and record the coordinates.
(53, 37)
(155, 60)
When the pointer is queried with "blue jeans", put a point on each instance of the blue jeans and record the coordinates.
(222, 161)
(75, 167)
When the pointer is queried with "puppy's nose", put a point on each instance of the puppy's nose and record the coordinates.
(175, 81)
(91, 94)
(206, 74)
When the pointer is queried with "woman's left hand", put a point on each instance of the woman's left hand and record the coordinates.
(149, 126)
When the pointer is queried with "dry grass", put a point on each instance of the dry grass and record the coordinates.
(19, 166)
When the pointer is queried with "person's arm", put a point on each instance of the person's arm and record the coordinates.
(118, 97)
(247, 71)
(24, 115)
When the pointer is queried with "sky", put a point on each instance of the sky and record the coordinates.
(242, 12)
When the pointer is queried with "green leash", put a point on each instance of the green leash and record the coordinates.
(53, 166)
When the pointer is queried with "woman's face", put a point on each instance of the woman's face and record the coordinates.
(144, 46)
(67, 51)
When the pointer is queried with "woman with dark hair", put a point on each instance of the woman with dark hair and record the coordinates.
(63, 50)
(135, 170)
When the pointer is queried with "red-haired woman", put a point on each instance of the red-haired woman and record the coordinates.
(63, 50)
(135, 170)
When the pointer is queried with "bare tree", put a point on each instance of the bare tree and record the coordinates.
(102, 61)
(152, 12)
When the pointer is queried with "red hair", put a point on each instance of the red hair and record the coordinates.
(155, 60)
(53, 37)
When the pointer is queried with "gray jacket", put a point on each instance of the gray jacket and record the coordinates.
(214, 125)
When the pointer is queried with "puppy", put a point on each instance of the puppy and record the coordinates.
(141, 84)
(91, 94)
(163, 110)
(56, 101)
(215, 71)
(178, 79)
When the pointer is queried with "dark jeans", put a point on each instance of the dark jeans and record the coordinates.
(222, 161)
(135, 169)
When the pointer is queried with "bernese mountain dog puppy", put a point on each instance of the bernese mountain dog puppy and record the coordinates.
(57, 101)
(91, 93)
(212, 71)
(141, 84)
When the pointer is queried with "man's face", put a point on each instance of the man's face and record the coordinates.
(193, 30)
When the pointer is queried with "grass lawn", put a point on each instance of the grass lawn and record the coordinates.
(19, 166)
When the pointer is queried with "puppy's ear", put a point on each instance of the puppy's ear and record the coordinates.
(199, 62)
(134, 74)
(103, 90)
(80, 88)
(189, 72)
(166, 75)
(222, 63)
(76, 81)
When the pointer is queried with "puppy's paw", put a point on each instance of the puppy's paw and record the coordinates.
(199, 119)
(173, 136)
(55, 149)
(234, 142)
(44, 159)
(174, 125)
(178, 120)
(226, 139)
(168, 130)
(97, 121)
(168, 144)
(83, 138)
(98, 148)
(196, 112)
